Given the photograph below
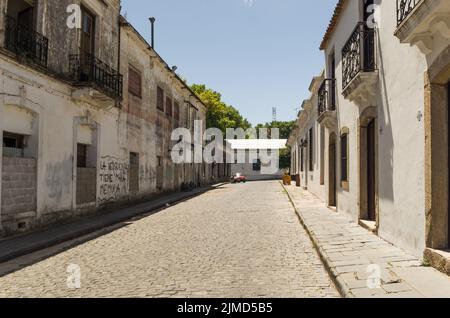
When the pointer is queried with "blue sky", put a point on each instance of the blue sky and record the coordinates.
(258, 53)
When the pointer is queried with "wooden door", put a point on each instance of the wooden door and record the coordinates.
(371, 182)
(87, 33)
(448, 162)
(332, 174)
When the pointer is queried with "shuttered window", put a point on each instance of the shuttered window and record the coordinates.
(160, 99)
(344, 157)
(302, 159)
(176, 111)
(311, 150)
(134, 82)
(169, 106)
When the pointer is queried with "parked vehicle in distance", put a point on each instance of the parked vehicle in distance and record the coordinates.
(238, 178)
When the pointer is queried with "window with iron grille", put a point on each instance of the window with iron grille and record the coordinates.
(169, 106)
(344, 157)
(160, 99)
(134, 82)
(81, 156)
(13, 145)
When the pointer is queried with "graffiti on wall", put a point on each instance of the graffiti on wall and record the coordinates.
(113, 179)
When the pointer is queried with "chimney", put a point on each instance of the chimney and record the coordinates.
(152, 21)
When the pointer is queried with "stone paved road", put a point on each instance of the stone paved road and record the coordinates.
(237, 241)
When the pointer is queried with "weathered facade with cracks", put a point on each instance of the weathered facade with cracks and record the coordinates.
(86, 114)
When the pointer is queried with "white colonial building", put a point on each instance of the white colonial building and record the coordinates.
(373, 140)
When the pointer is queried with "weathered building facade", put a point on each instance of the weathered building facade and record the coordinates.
(382, 121)
(82, 118)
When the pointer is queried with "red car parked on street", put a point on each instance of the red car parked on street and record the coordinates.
(238, 178)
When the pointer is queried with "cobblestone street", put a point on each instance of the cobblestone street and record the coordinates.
(239, 240)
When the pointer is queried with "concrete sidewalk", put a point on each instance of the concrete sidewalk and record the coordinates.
(20, 245)
(349, 250)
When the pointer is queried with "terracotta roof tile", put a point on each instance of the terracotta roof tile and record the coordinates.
(333, 23)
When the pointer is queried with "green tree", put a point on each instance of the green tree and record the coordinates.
(219, 115)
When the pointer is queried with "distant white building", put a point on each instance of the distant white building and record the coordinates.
(256, 165)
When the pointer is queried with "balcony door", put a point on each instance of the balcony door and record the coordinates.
(87, 32)
(25, 18)
(333, 82)
(368, 37)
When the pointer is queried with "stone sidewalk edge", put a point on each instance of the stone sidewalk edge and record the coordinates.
(340, 286)
(97, 227)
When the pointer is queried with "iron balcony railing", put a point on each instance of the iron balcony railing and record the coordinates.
(358, 54)
(87, 69)
(327, 96)
(405, 8)
(26, 43)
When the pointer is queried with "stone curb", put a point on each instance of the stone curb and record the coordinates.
(340, 285)
(96, 226)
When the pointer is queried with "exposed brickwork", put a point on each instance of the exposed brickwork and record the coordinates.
(86, 185)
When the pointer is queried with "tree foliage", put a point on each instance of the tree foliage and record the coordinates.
(219, 115)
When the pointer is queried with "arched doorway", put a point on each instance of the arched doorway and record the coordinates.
(332, 188)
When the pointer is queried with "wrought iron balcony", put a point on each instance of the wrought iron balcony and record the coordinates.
(405, 8)
(26, 43)
(327, 96)
(423, 23)
(327, 103)
(85, 69)
(358, 54)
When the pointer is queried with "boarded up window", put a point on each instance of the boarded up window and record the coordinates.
(134, 172)
(134, 82)
(176, 111)
(160, 98)
(169, 106)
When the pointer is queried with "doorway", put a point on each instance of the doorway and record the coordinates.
(87, 32)
(368, 168)
(332, 195)
(371, 205)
